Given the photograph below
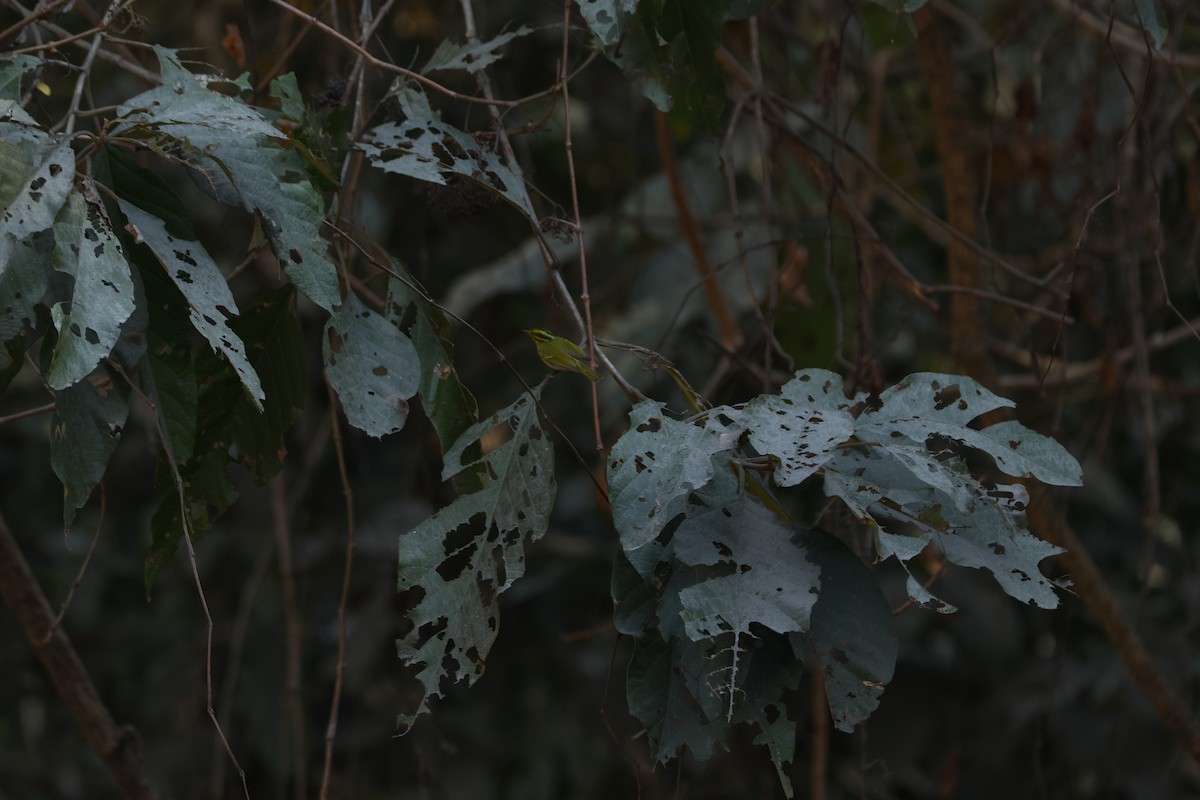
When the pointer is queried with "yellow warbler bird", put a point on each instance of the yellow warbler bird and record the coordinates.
(561, 354)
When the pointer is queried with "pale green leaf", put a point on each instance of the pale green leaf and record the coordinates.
(421, 146)
(462, 557)
(372, 366)
(210, 302)
(103, 295)
(472, 56)
(802, 425)
(245, 159)
(607, 18)
(656, 464)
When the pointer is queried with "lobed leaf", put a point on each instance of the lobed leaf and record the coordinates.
(472, 56)
(459, 560)
(421, 146)
(802, 425)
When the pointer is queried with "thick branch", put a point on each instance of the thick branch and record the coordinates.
(116, 745)
(967, 344)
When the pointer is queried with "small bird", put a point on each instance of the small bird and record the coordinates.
(561, 354)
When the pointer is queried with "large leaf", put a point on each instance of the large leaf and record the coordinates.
(84, 433)
(990, 533)
(851, 631)
(459, 560)
(656, 464)
(372, 366)
(802, 425)
(245, 159)
(199, 280)
(423, 147)
(758, 576)
(103, 296)
(927, 404)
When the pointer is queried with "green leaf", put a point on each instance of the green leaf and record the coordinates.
(667, 48)
(762, 578)
(656, 464)
(425, 148)
(84, 433)
(990, 533)
(459, 560)
(228, 426)
(291, 99)
(103, 295)
(35, 180)
(199, 280)
(130, 181)
(12, 69)
(659, 692)
(372, 366)
(473, 56)
(851, 631)
(172, 387)
(607, 18)
(243, 156)
(802, 425)
(446, 402)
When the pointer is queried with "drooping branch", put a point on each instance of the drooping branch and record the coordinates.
(115, 744)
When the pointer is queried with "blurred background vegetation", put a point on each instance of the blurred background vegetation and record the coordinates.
(1082, 137)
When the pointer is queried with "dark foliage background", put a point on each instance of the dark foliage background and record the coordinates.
(1086, 152)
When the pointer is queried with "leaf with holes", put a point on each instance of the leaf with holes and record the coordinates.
(851, 631)
(458, 561)
(657, 463)
(472, 56)
(199, 280)
(103, 296)
(245, 160)
(372, 366)
(84, 433)
(423, 147)
(754, 575)
(802, 425)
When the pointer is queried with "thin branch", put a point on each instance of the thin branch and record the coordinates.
(115, 745)
(62, 612)
(340, 669)
(569, 149)
(29, 412)
(291, 613)
(731, 337)
(1121, 34)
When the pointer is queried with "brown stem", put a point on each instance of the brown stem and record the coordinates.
(116, 745)
(967, 344)
(731, 337)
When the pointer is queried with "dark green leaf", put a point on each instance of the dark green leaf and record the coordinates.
(84, 433)
(851, 630)
(459, 560)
